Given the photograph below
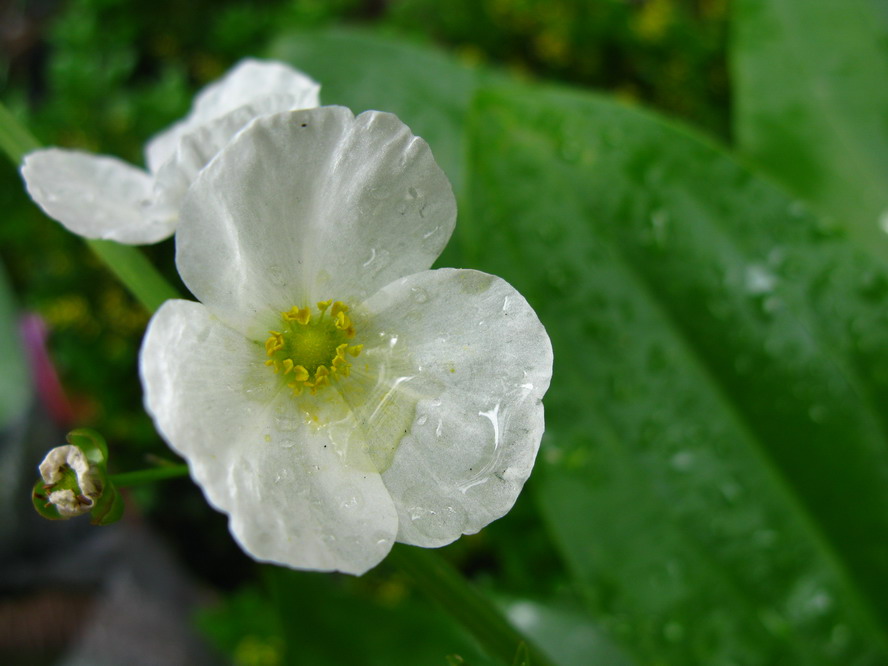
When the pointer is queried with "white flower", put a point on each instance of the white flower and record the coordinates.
(98, 196)
(331, 394)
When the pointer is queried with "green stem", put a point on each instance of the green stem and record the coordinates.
(436, 578)
(15, 140)
(126, 262)
(136, 273)
(151, 475)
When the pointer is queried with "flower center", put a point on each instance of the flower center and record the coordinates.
(311, 351)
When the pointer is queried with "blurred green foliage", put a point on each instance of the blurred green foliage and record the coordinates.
(711, 488)
(104, 75)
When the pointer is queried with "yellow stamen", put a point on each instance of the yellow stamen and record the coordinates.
(311, 352)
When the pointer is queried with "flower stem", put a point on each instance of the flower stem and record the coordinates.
(130, 266)
(151, 475)
(136, 273)
(15, 140)
(435, 577)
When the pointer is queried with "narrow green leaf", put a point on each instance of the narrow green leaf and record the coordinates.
(135, 272)
(15, 383)
(715, 459)
(130, 266)
(15, 140)
(811, 104)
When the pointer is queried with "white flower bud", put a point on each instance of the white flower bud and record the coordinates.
(74, 484)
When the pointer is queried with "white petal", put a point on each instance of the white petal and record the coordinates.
(95, 196)
(477, 362)
(246, 82)
(199, 145)
(309, 205)
(289, 496)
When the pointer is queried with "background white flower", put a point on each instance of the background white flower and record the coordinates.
(98, 196)
(436, 426)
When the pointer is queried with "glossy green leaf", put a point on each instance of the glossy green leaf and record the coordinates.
(566, 634)
(324, 619)
(811, 104)
(366, 70)
(715, 458)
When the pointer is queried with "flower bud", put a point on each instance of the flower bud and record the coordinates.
(70, 482)
(74, 481)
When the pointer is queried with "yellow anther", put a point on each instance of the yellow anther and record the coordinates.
(311, 352)
(299, 315)
(274, 343)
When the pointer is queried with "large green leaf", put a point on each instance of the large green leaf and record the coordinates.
(715, 464)
(811, 103)
(319, 619)
(362, 70)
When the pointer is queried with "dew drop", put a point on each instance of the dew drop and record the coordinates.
(285, 420)
(422, 420)
(883, 221)
(797, 208)
(419, 295)
(817, 413)
(874, 286)
(412, 192)
(673, 632)
(353, 502)
(379, 193)
(429, 517)
(570, 150)
(683, 461)
(430, 240)
(759, 280)
(276, 275)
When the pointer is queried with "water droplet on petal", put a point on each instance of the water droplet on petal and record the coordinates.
(286, 420)
(433, 516)
(276, 275)
(419, 295)
(431, 240)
